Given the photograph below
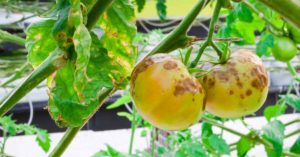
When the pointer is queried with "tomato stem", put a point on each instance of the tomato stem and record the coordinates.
(133, 128)
(97, 10)
(6, 36)
(209, 40)
(292, 133)
(55, 61)
(180, 31)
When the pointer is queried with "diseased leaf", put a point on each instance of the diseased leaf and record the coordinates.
(121, 101)
(118, 23)
(274, 111)
(274, 132)
(296, 146)
(161, 9)
(243, 146)
(293, 101)
(39, 41)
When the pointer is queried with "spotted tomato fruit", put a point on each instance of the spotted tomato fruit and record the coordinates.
(284, 49)
(165, 94)
(237, 88)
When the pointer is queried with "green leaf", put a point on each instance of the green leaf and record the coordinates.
(122, 100)
(194, 149)
(126, 115)
(161, 9)
(218, 144)
(39, 41)
(9, 125)
(274, 133)
(143, 133)
(110, 152)
(296, 146)
(243, 12)
(274, 111)
(43, 139)
(265, 44)
(293, 101)
(140, 4)
(243, 146)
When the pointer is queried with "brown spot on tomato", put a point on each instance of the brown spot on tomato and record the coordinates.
(248, 92)
(242, 96)
(231, 92)
(204, 79)
(142, 66)
(186, 85)
(211, 82)
(223, 76)
(170, 65)
(239, 84)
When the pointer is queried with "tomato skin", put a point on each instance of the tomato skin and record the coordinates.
(284, 49)
(237, 88)
(165, 94)
(294, 33)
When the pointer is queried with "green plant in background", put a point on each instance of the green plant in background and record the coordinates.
(9, 129)
(83, 68)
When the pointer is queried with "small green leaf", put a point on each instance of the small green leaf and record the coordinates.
(243, 146)
(121, 101)
(296, 146)
(161, 150)
(9, 125)
(161, 9)
(265, 43)
(274, 111)
(194, 149)
(218, 144)
(140, 4)
(143, 133)
(243, 12)
(125, 114)
(43, 139)
(274, 132)
(293, 101)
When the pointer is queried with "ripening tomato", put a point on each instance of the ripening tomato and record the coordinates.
(165, 94)
(237, 88)
(284, 49)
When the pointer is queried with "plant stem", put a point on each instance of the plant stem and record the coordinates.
(64, 142)
(209, 40)
(98, 9)
(4, 141)
(292, 122)
(261, 15)
(167, 44)
(289, 9)
(292, 133)
(55, 61)
(133, 127)
(72, 132)
(153, 138)
(11, 38)
(18, 74)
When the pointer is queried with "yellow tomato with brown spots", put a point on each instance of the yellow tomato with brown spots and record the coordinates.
(237, 88)
(165, 94)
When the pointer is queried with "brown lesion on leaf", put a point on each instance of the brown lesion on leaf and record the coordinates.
(169, 65)
(186, 85)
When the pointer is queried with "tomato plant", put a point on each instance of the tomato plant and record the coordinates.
(84, 68)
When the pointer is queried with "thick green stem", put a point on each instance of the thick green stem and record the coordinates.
(98, 9)
(167, 44)
(55, 61)
(292, 133)
(72, 132)
(11, 38)
(289, 9)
